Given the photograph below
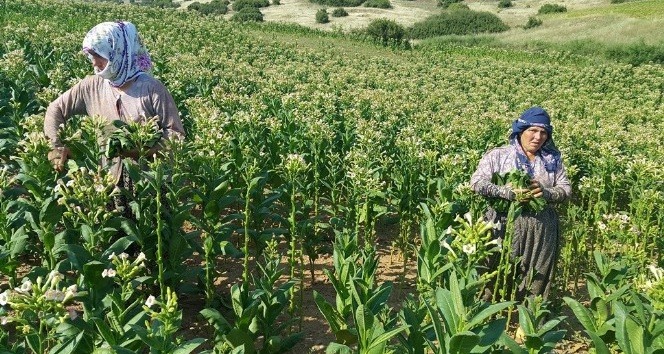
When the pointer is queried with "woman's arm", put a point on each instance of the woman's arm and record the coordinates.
(480, 181)
(69, 104)
(561, 189)
(165, 107)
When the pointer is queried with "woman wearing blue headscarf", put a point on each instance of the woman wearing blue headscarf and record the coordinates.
(535, 242)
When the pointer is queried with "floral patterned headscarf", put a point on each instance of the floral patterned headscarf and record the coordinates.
(120, 44)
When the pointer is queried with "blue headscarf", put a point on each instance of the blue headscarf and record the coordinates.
(535, 117)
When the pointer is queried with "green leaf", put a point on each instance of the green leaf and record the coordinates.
(238, 338)
(105, 331)
(510, 343)
(34, 342)
(69, 346)
(51, 212)
(487, 313)
(600, 346)
(336, 348)
(491, 332)
(445, 303)
(189, 346)
(385, 337)
(582, 314)
(628, 333)
(463, 342)
(19, 241)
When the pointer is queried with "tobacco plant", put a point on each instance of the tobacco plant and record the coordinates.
(460, 323)
(537, 327)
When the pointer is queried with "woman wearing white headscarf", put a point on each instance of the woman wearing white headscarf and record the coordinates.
(121, 89)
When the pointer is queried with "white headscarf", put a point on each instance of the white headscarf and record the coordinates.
(120, 44)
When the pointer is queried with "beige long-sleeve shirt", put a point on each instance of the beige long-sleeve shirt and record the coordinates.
(145, 98)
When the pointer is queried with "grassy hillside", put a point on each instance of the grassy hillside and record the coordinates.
(594, 20)
(603, 22)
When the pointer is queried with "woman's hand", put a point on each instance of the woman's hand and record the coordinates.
(536, 189)
(58, 157)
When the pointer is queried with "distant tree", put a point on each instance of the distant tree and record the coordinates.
(458, 22)
(446, 3)
(379, 4)
(532, 22)
(248, 14)
(214, 7)
(386, 32)
(339, 12)
(503, 4)
(551, 8)
(339, 3)
(321, 16)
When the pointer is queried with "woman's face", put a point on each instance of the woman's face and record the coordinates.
(98, 62)
(532, 139)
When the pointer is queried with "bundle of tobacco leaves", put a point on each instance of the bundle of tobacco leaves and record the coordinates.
(520, 183)
(132, 136)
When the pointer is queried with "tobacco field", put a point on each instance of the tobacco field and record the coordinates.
(304, 146)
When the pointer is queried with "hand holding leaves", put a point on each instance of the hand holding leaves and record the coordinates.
(134, 138)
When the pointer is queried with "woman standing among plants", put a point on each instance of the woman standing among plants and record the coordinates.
(122, 92)
(529, 171)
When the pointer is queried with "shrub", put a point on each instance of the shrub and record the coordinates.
(247, 14)
(446, 3)
(503, 4)
(159, 3)
(637, 53)
(215, 7)
(379, 4)
(339, 3)
(276, 2)
(386, 32)
(238, 5)
(339, 12)
(458, 6)
(551, 8)
(321, 16)
(532, 22)
(458, 22)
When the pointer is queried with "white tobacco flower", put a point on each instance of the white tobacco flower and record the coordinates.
(498, 242)
(25, 287)
(71, 291)
(601, 225)
(657, 272)
(112, 256)
(54, 295)
(123, 256)
(108, 273)
(150, 301)
(4, 298)
(140, 258)
(469, 249)
(54, 277)
(73, 314)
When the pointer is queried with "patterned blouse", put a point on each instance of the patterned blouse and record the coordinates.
(556, 187)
